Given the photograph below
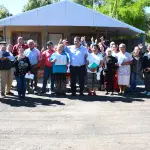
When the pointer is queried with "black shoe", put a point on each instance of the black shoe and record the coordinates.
(81, 94)
(63, 94)
(35, 92)
(57, 94)
(120, 93)
(106, 93)
(10, 93)
(73, 94)
(112, 93)
(19, 96)
(42, 92)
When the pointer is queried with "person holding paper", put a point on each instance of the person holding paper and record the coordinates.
(124, 62)
(34, 57)
(110, 67)
(94, 62)
(22, 66)
(60, 60)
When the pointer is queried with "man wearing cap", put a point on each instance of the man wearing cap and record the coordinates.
(34, 57)
(47, 66)
(20, 43)
(5, 68)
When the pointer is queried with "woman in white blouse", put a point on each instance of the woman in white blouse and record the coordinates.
(124, 61)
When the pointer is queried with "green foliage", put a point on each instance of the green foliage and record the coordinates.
(148, 37)
(4, 12)
(32, 4)
(89, 3)
(128, 11)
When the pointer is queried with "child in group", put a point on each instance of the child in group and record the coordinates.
(60, 61)
(94, 58)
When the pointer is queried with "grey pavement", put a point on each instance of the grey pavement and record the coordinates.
(81, 123)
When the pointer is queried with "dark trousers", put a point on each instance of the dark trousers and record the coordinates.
(133, 80)
(60, 82)
(109, 82)
(21, 85)
(77, 72)
(147, 81)
(47, 74)
(34, 70)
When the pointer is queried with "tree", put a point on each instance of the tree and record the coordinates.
(128, 11)
(32, 4)
(89, 3)
(4, 12)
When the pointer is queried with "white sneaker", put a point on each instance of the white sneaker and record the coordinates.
(145, 92)
(148, 93)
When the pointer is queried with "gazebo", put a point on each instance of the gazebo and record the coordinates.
(64, 19)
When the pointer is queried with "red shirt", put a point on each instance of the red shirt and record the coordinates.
(46, 56)
(15, 48)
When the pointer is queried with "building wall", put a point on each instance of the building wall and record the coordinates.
(66, 31)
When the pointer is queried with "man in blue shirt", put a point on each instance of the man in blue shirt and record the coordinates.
(34, 56)
(78, 54)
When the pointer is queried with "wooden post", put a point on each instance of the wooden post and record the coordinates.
(69, 36)
(106, 32)
(46, 36)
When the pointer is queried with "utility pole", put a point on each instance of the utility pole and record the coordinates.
(114, 12)
(93, 4)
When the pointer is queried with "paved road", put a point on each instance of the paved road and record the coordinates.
(83, 123)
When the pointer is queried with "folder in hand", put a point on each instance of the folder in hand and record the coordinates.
(29, 76)
(93, 65)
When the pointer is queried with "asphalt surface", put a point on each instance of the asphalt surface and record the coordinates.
(80, 123)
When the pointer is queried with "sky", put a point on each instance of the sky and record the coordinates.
(16, 6)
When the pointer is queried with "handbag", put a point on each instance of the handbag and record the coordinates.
(5, 64)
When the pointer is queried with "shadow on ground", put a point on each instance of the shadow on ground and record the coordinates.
(112, 99)
(30, 102)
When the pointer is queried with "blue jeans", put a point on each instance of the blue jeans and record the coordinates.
(21, 85)
(133, 80)
(47, 73)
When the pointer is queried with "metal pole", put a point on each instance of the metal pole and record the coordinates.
(4, 33)
(93, 4)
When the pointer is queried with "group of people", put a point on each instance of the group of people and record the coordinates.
(92, 64)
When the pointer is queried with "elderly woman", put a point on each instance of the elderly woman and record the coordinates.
(146, 69)
(114, 54)
(110, 67)
(94, 58)
(60, 60)
(124, 62)
(136, 67)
